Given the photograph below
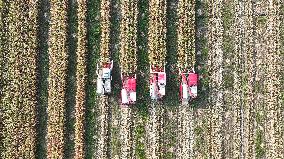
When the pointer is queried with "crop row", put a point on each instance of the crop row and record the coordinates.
(128, 36)
(18, 103)
(157, 32)
(105, 31)
(80, 80)
(186, 34)
(57, 78)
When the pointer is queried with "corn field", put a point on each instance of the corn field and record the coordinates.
(50, 52)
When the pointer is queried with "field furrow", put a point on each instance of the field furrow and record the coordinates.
(80, 81)
(228, 13)
(57, 78)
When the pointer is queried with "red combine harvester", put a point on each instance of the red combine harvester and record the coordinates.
(188, 86)
(157, 83)
(128, 92)
(104, 78)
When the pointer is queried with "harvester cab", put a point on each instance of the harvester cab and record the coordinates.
(188, 86)
(128, 92)
(157, 83)
(104, 78)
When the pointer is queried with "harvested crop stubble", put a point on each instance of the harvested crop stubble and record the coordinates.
(18, 102)
(102, 127)
(215, 66)
(57, 78)
(260, 75)
(128, 36)
(186, 34)
(228, 43)
(272, 83)
(125, 133)
(201, 126)
(237, 93)
(186, 135)
(157, 32)
(247, 82)
(153, 129)
(81, 81)
(105, 31)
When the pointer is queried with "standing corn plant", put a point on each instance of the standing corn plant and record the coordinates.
(57, 78)
(80, 81)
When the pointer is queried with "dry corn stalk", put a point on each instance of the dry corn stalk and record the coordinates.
(186, 34)
(81, 81)
(105, 32)
(157, 32)
(57, 78)
(128, 36)
(19, 94)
